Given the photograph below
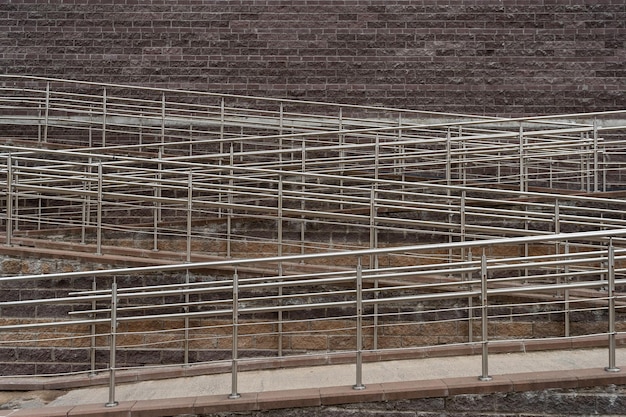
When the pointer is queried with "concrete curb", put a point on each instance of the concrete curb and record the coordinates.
(316, 397)
(152, 374)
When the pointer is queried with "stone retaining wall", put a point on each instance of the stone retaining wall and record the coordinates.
(400, 326)
(600, 402)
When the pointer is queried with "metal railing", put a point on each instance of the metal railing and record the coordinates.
(363, 218)
(111, 159)
(113, 119)
(97, 202)
(479, 287)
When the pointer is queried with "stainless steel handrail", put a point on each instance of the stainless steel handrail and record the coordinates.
(430, 199)
(595, 277)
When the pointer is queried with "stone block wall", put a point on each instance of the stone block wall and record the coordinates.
(160, 341)
(548, 403)
(495, 57)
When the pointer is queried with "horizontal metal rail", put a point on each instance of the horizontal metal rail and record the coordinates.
(590, 273)
(363, 220)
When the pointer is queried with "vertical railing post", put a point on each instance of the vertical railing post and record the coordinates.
(39, 123)
(159, 184)
(155, 218)
(280, 264)
(404, 159)
(604, 169)
(557, 218)
(470, 304)
(140, 133)
(526, 246)
(86, 205)
(557, 245)
(462, 163)
(47, 113)
(550, 172)
(230, 202)
(156, 213)
(9, 202)
(234, 393)
(374, 257)
(113, 343)
(342, 139)
(566, 295)
(586, 158)
(595, 156)
(523, 186)
(189, 210)
(190, 139)
(39, 211)
(222, 120)
(302, 201)
(462, 229)
(377, 158)
(99, 212)
(280, 133)
(92, 350)
(186, 310)
(280, 311)
(462, 216)
(448, 158)
(342, 155)
(372, 226)
(104, 116)
(163, 118)
(583, 159)
(485, 334)
(359, 327)
(279, 217)
(221, 152)
(611, 295)
(16, 195)
(90, 131)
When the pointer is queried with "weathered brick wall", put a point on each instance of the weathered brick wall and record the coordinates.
(480, 56)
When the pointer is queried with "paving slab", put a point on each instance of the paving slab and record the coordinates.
(344, 375)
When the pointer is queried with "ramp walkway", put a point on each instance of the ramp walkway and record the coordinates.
(314, 385)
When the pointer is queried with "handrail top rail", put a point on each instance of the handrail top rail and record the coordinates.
(481, 118)
(598, 235)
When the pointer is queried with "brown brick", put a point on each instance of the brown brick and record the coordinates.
(403, 329)
(292, 327)
(510, 330)
(254, 328)
(310, 343)
(390, 342)
(441, 329)
(416, 341)
(343, 326)
(548, 329)
(268, 342)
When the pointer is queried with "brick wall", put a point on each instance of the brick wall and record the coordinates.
(503, 57)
